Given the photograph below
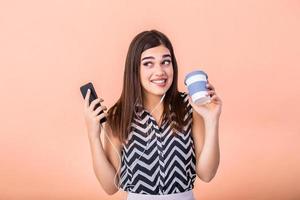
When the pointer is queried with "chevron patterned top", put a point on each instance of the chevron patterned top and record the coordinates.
(154, 161)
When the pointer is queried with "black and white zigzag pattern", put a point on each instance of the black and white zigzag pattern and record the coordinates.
(154, 161)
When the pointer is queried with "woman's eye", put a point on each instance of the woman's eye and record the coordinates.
(147, 64)
(167, 61)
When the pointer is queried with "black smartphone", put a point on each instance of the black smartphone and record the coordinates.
(93, 96)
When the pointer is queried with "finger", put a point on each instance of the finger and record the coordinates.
(102, 115)
(215, 98)
(98, 110)
(210, 86)
(210, 93)
(86, 98)
(100, 99)
(93, 103)
(191, 101)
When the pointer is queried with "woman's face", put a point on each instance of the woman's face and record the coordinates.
(156, 70)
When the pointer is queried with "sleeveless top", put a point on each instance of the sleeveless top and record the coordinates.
(154, 161)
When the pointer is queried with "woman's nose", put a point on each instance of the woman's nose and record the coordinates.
(160, 69)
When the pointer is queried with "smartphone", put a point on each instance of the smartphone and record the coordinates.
(93, 96)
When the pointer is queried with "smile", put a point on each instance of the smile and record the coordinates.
(160, 83)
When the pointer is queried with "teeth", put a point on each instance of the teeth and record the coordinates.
(159, 81)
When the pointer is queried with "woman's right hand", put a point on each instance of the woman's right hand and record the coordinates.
(92, 119)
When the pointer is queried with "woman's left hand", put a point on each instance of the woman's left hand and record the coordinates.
(211, 110)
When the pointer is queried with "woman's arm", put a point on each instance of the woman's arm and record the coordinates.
(206, 133)
(206, 140)
(106, 161)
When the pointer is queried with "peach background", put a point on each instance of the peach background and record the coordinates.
(48, 49)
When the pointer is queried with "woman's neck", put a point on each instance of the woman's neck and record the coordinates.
(152, 103)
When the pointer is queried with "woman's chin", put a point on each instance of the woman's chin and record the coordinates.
(156, 92)
(159, 93)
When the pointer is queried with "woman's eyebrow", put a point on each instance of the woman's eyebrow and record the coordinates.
(151, 57)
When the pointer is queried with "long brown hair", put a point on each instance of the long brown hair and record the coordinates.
(120, 115)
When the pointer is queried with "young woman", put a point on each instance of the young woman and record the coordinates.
(156, 139)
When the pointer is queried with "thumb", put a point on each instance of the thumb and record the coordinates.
(191, 101)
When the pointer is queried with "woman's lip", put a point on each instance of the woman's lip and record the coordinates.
(160, 84)
(165, 79)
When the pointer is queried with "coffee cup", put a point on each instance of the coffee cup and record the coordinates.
(196, 84)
